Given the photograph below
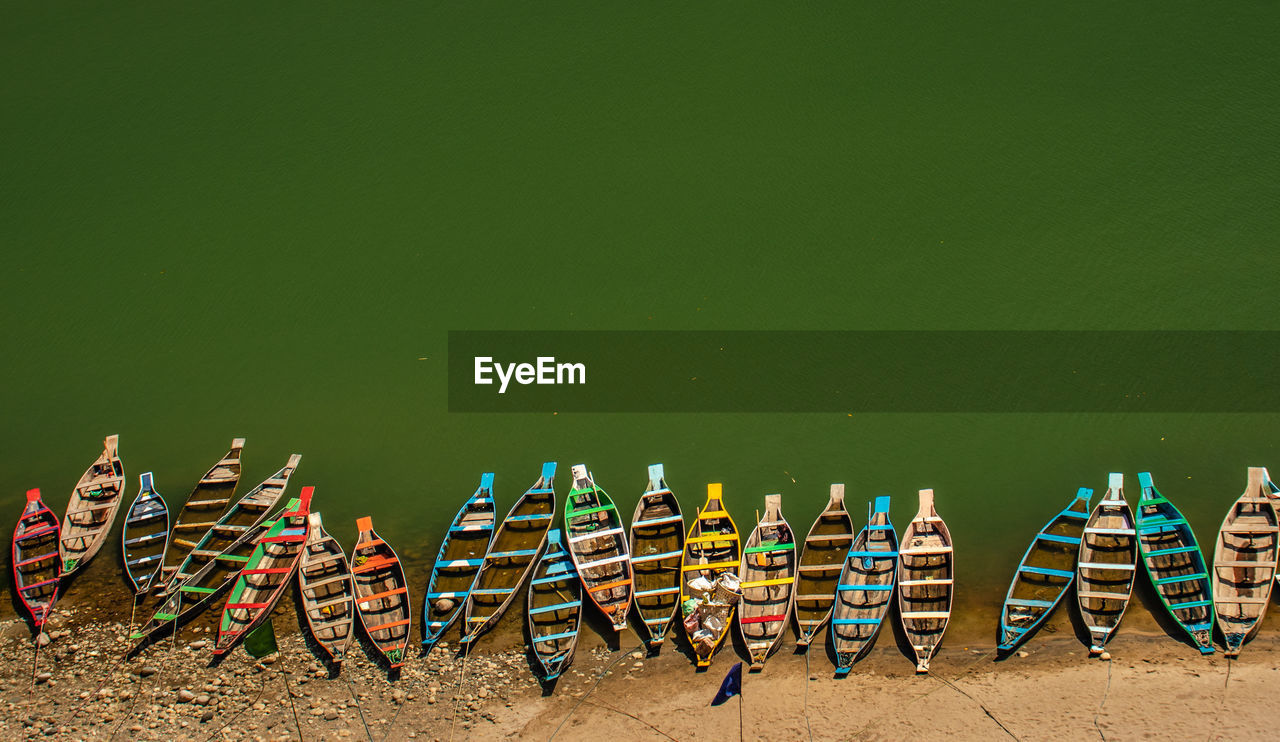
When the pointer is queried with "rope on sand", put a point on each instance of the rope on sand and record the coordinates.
(359, 708)
(1102, 703)
(457, 694)
(606, 706)
(236, 715)
(936, 688)
(599, 677)
(806, 694)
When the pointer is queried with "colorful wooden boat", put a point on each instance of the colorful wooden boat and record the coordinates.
(92, 509)
(926, 580)
(265, 576)
(1175, 565)
(1047, 569)
(554, 612)
(207, 503)
(657, 544)
(821, 559)
(865, 589)
(37, 568)
(768, 579)
(461, 554)
(599, 547)
(511, 556)
(146, 534)
(712, 548)
(328, 596)
(1107, 564)
(1244, 563)
(381, 593)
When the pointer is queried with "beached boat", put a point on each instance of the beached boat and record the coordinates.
(1047, 569)
(328, 597)
(461, 553)
(1244, 563)
(865, 589)
(92, 509)
(926, 580)
(767, 579)
(1107, 564)
(511, 555)
(554, 612)
(712, 550)
(821, 559)
(382, 593)
(657, 544)
(207, 503)
(36, 565)
(265, 576)
(1175, 565)
(146, 534)
(599, 547)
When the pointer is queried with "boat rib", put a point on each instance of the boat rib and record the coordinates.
(1175, 564)
(1107, 565)
(599, 547)
(821, 559)
(657, 544)
(1244, 562)
(92, 509)
(866, 586)
(461, 553)
(768, 582)
(926, 581)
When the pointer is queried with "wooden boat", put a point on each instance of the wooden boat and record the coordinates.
(511, 555)
(1244, 563)
(712, 548)
(248, 512)
(37, 569)
(1107, 564)
(265, 576)
(461, 553)
(1175, 565)
(381, 593)
(207, 503)
(554, 608)
(821, 559)
(146, 534)
(599, 547)
(328, 597)
(865, 589)
(92, 509)
(926, 580)
(657, 544)
(1046, 571)
(768, 581)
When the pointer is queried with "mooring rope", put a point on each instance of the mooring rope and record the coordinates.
(599, 678)
(457, 694)
(806, 694)
(606, 706)
(1103, 702)
(936, 688)
(262, 687)
(359, 708)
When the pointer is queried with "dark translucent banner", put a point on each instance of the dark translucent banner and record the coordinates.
(857, 371)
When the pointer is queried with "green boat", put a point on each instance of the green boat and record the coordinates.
(599, 547)
(1173, 561)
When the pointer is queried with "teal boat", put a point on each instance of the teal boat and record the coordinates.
(865, 590)
(1172, 557)
(461, 554)
(554, 612)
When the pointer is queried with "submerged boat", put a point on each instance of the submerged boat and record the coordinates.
(328, 596)
(599, 548)
(1046, 571)
(461, 553)
(1108, 562)
(36, 566)
(381, 593)
(657, 544)
(1175, 565)
(207, 503)
(554, 611)
(865, 589)
(768, 582)
(712, 550)
(1244, 563)
(821, 560)
(92, 509)
(926, 580)
(146, 534)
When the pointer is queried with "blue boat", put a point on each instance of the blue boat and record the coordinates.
(1173, 561)
(554, 608)
(458, 563)
(865, 590)
(145, 536)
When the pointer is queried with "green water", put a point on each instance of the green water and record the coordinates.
(235, 220)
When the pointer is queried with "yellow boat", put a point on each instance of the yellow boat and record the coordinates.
(712, 548)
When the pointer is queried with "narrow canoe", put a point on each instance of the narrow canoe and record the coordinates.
(461, 553)
(146, 534)
(265, 576)
(381, 593)
(554, 608)
(1244, 563)
(1107, 564)
(207, 503)
(92, 509)
(36, 566)
(712, 548)
(768, 582)
(657, 543)
(865, 590)
(328, 598)
(1175, 564)
(511, 556)
(926, 580)
(1046, 571)
(821, 560)
(599, 547)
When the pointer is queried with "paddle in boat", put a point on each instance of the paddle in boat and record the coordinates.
(709, 576)
(1244, 563)
(207, 503)
(768, 582)
(821, 559)
(381, 593)
(1107, 564)
(92, 509)
(865, 589)
(146, 534)
(926, 581)
(1175, 565)
(36, 565)
(554, 612)
(599, 547)
(657, 544)
(461, 553)
(328, 597)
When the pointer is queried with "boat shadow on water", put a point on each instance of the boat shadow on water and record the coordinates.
(1145, 593)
